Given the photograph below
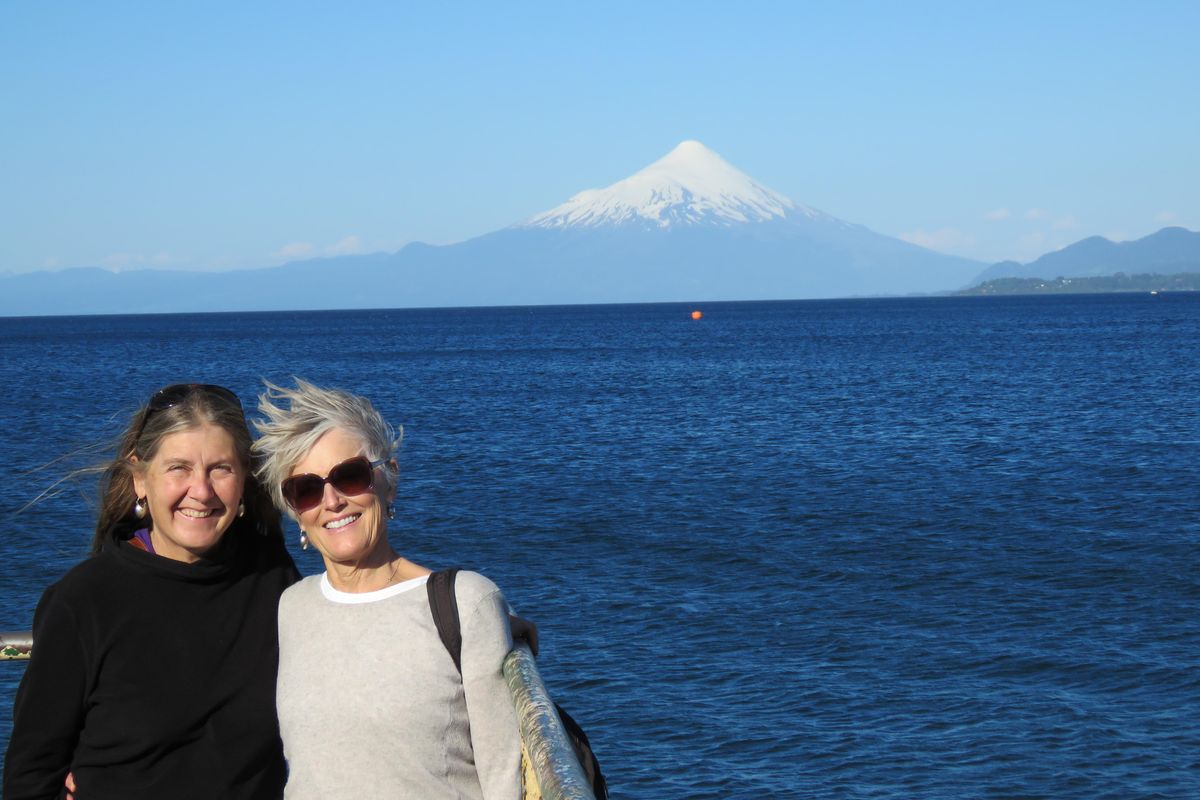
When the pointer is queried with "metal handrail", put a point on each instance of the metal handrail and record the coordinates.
(15, 645)
(555, 765)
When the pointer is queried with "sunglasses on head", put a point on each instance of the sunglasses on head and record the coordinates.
(176, 393)
(352, 476)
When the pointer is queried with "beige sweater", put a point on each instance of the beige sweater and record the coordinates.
(370, 704)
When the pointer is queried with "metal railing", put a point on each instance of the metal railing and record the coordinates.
(548, 752)
(547, 749)
(15, 645)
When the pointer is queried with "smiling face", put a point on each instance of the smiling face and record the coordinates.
(346, 529)
(192, 486)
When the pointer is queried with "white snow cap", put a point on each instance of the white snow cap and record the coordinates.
(689, 185)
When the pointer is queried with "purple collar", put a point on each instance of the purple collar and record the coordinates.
(142, 536)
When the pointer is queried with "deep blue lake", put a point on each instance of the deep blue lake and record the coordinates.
(911, 548)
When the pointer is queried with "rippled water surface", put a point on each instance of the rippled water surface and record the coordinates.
(935, 548)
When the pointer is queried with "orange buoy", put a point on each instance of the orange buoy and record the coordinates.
(696, 315)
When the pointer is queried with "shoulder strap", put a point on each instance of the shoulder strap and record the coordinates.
(444, 606)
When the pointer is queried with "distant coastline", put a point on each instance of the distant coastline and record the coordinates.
(1120, 282)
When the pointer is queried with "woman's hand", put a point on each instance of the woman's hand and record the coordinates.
(70, 784)
(525, 630)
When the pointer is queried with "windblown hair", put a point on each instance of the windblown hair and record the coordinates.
(290, 432)
(143, 437)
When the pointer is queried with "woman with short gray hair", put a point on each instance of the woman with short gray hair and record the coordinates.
(370, 702)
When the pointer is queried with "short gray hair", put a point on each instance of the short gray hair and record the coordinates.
(289, 432)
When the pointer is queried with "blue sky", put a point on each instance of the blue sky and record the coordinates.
(227, 135)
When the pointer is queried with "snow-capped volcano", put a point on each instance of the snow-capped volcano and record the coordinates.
(689, 227)
(688, 186)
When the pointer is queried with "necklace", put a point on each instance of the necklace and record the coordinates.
(362, 580)
(395, 572)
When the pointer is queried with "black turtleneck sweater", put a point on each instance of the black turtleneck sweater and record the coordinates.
(151, 678)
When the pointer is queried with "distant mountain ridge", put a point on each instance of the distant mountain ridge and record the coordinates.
(689, 227)
(1168, 251)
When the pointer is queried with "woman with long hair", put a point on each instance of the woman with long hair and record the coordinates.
(154, 661)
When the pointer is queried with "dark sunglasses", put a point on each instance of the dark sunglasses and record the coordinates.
(176, 393)
(352, 476)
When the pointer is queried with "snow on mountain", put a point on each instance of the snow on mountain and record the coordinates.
(690, 185)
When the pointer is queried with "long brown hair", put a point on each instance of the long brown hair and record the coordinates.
(143, 437)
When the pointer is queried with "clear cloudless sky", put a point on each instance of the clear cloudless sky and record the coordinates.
(222, 135)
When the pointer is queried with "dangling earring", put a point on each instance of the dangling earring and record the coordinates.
(139, 508)
(391, 512)
(241, 508)
(303, 540)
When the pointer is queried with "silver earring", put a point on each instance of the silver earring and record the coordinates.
(139, 508)
(303, 540)
(241, 508)
(391, 512)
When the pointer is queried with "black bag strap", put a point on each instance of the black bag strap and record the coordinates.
(444, 605)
